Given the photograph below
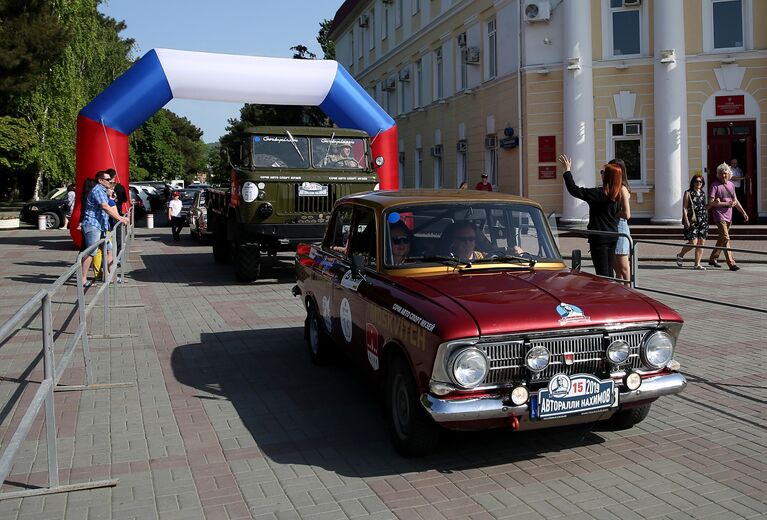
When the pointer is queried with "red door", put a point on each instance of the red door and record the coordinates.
(729, 140)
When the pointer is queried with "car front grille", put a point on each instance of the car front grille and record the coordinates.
(507, 359)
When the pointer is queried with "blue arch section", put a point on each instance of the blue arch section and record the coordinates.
(349, 106)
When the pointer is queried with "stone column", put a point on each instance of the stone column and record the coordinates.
(578, 98)
(670, 110)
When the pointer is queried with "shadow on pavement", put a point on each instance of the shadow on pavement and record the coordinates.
(298, 413)
(61, 242)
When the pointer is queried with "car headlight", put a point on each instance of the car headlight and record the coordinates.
(33, 208)
(658, 349)
(537, 359)
(249, 191)
(469, 367)
(618, 352)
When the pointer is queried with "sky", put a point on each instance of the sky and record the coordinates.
(249, 27)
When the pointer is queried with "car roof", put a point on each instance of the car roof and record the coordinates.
(387, 198)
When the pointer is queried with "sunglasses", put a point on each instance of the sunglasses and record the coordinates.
(698, 182)
(465, 239)
(400, 240)
(108, 180)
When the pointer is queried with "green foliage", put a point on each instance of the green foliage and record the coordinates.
(327, 45)
(17, 144)
(156, 147)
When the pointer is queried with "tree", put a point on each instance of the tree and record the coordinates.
(327, 45)
(189, 144)
(156, 148)
(302, 52)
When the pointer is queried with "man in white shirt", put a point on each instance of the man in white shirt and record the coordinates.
(174, 216)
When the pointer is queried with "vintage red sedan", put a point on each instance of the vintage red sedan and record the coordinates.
(460, 304)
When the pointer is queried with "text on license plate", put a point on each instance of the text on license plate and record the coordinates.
(573, 395)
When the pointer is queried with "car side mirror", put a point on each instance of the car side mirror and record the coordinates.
(358, 262)
(576, 265)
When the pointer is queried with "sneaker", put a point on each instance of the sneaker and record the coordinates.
(679, 260)
(698, 267)
(88, 284)
(118, 279)
(734, 267)
(714, 263)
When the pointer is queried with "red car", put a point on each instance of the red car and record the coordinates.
(460, 304)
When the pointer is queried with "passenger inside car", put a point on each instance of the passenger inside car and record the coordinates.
(401, 237)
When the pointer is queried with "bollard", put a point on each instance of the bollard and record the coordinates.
(41, 220)
(149, 220)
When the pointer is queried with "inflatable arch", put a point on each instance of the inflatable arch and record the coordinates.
(103, 126)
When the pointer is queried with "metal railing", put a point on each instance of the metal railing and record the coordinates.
(52, 371)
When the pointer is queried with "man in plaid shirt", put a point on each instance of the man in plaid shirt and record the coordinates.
(95, 222)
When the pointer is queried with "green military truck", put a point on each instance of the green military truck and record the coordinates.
(283, 190)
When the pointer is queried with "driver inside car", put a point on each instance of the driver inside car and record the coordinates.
(343, 158)
(462, 237)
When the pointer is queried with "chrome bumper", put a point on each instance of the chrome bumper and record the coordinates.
(442, 410)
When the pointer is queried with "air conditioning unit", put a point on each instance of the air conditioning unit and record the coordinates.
(472, 55)
(460, 146)
(389, 84)
(633, 129)
(436, 150)
(491, 142)
(404, 74)
(462, 40)
(363, 20)
(538, 11)
(632, 3)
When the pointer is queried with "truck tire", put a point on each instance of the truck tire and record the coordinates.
(412, 431)
(222, 252)
(316, 338)
(247, 262)
(626, 419)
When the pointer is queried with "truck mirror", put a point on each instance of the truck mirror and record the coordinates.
(358, 262)
(576, 266)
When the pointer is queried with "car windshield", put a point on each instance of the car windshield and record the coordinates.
(346, 153)
(459, 233)
(187, 196)
(280, 151)
(55, 194)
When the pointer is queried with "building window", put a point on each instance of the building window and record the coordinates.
(438, 171)
(398, 14)
(372, 29)
(626, 143)
(385, 23)
(626, 29)
(461, 167)
(362, 33)
(418, 167)
(463, 68)
(416, 6)
(418, 85)
(439, 75)
(351, 48)
(492, 53)
(728, 24)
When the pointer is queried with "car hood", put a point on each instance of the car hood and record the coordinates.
(46, 204)
(506, 302)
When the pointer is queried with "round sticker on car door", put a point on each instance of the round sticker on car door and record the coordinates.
(346, 319)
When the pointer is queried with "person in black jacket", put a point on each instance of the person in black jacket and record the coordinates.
(603, 213)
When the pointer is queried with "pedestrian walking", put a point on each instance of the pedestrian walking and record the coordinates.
(174, 216)
(721, 200)
(95, 222)
(621, 264)
(694, 220)
(484, 185)
(604, 205)
(71, 195)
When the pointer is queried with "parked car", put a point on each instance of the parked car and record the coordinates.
(53, 205)
(197, 218)
(138, 198)
(156, 198)
(142, 194)
(459, 304)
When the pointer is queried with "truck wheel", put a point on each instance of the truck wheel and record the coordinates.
(316, 338)
(413, 432)
(222, 252)
(247, 262)
(625, 419)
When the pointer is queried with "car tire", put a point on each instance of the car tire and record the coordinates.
(247, 262)
(626, 419)
(412, 431)
(52, 220)
(317, 340)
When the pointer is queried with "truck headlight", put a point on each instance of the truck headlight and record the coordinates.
(537, 359)
(469, 367)
(265, 210)
(658, 349)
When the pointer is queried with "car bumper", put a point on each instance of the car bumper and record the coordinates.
(481, 409)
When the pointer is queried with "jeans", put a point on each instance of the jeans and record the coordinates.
(176, 223)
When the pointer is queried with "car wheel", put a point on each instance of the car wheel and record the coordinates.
(626, 419)
(413, 432)
(247, 262)
(316, 338)
(52, 221)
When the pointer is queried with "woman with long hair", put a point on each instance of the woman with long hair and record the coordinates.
(604, 205)
(622, 249)
(694, 220)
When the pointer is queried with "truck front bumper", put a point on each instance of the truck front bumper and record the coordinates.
(479, 409)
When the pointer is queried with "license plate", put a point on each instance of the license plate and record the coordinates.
(574, 395)
(312, 189)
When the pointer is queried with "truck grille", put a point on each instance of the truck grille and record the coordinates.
(315, 205)
(507, 359)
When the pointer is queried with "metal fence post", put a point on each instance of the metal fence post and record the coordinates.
(82, 312)
(105, 274)
(49, 369)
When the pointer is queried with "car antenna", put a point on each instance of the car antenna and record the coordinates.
(330, 143)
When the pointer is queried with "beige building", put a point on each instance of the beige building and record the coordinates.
(673, 87)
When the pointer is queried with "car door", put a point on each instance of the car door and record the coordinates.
(331, 267)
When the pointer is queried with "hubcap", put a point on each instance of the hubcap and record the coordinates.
(49, 221)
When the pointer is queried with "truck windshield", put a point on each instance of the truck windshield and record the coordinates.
(345, 153)
(474, 232)
(277, 151)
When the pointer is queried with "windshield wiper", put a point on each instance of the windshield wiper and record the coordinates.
(507, 258)
(295, 146)
(450, 261)
(327, 152)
